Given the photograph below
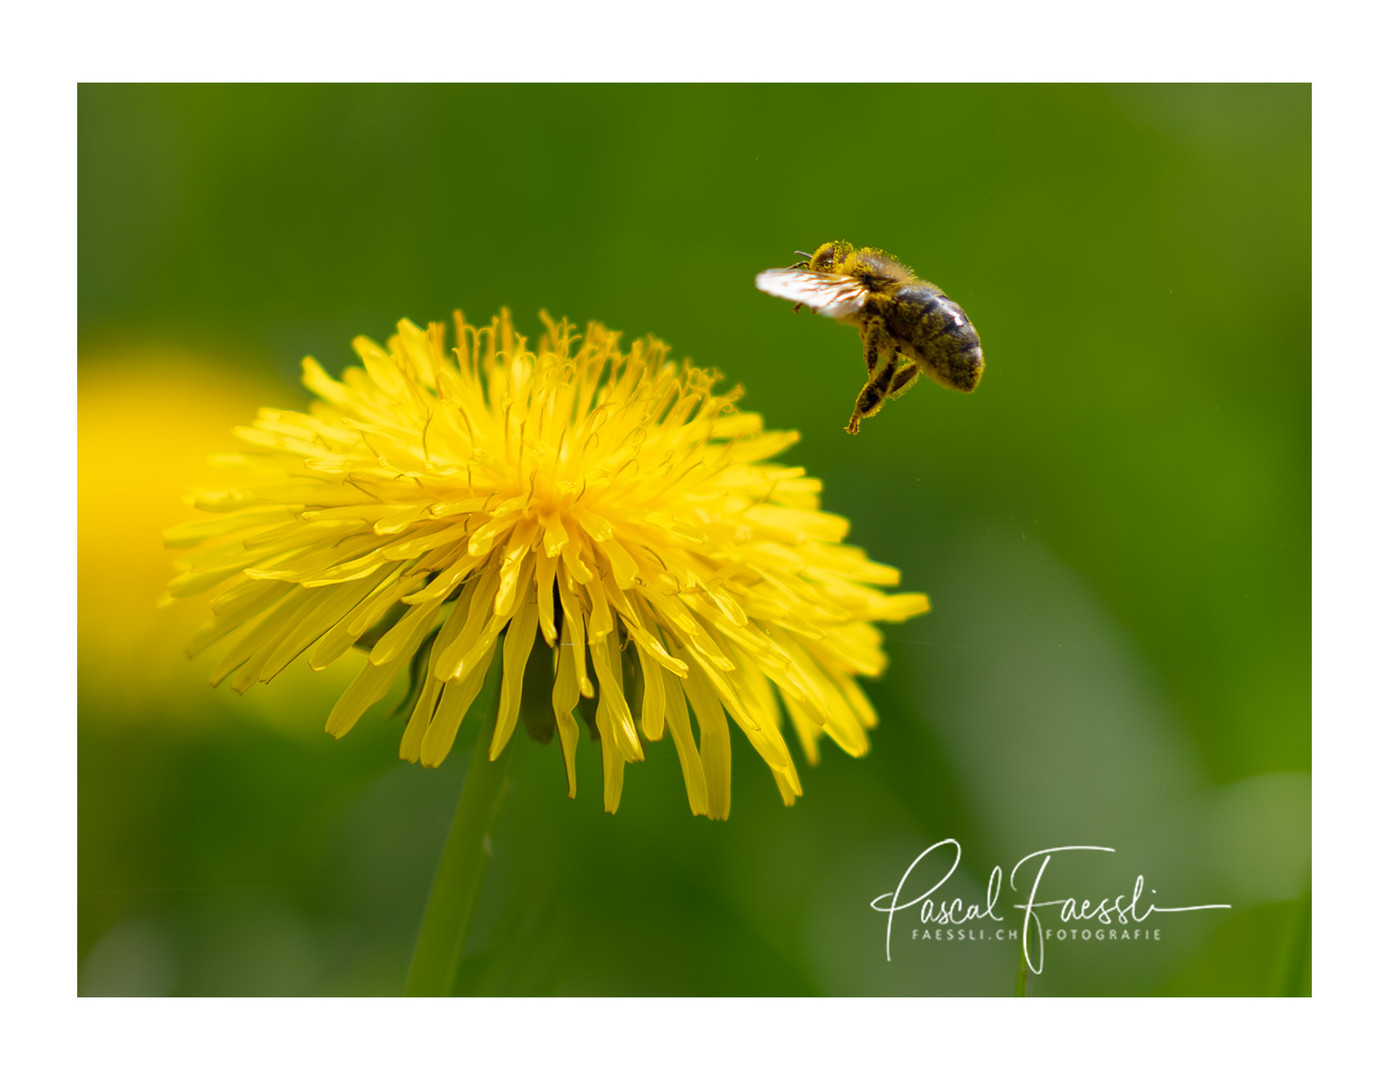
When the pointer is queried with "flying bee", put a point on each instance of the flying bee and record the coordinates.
(908, 326)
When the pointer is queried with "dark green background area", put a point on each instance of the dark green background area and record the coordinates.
(1114, 530)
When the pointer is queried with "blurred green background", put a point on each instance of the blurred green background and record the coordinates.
(1114, 530)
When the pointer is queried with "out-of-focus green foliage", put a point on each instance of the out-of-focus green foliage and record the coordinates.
(1114, 530)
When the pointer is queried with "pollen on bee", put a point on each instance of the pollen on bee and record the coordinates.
(908, 326)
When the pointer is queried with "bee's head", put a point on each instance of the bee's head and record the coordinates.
(830, 258)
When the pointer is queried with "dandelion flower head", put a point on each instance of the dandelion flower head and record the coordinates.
(603, 519)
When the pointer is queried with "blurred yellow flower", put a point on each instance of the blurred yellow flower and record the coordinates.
(436, 510)
(129, 476)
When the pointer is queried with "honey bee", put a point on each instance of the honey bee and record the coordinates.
(908, 326)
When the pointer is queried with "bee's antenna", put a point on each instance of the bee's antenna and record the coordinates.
(804, 254)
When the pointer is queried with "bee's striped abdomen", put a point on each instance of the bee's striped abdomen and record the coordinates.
(939, 335)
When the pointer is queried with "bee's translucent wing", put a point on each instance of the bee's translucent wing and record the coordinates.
(831, 295)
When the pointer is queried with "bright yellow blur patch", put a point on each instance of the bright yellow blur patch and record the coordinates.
(145, 423)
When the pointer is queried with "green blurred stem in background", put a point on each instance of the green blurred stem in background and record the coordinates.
(1020, 988)
(462, 866)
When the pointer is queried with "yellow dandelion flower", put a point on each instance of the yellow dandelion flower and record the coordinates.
(437, 510)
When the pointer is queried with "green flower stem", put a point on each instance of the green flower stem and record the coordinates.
(458, 880)
(1297, 981)
(1024, 972)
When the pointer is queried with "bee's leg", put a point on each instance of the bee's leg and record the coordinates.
(907, 373)
(878, 351)
(878, 347)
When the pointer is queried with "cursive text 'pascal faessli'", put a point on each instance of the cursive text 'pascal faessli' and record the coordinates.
(1124, 909)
